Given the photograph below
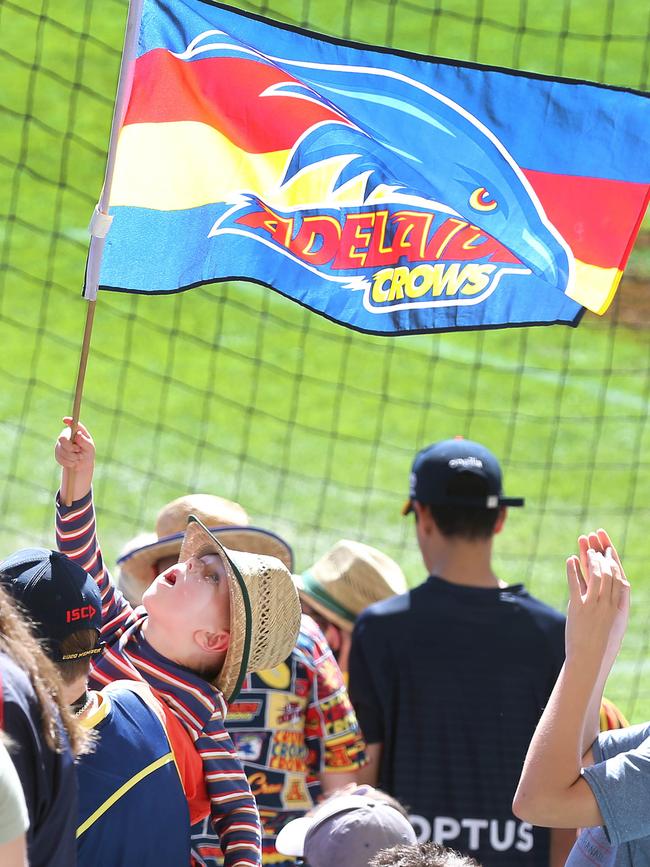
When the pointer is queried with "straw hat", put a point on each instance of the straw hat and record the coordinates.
(264, 607)
(349, 578)
(227, 520)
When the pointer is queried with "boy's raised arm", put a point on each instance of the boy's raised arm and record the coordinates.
(76, 529)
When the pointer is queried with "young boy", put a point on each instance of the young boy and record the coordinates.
(130, 779)
(293, 726)
(205, 622)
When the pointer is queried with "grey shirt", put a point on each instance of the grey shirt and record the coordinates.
(620, 781)
(13, 810)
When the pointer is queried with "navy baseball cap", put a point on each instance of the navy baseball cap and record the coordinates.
(59, 596)
(437, 466)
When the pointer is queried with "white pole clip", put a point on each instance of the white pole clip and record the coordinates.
(100, 223)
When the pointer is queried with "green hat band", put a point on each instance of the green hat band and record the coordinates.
(313, 588)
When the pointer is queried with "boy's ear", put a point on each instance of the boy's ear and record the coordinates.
(423, 516)
(212, 642)
(503, 514)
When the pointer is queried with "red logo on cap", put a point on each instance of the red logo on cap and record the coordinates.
(84, 613)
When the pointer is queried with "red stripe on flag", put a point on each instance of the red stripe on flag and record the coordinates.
(594, 215)
(224, 93)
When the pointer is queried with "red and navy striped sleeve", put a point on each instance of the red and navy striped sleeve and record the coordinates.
(229, 791)
(76, 538)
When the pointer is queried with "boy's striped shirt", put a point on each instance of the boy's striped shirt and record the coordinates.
(198, 705)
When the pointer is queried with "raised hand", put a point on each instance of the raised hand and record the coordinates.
(599, 596)
(77, 456)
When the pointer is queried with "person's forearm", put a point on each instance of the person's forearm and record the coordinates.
(369, 773)
(81, 480)
(554, 756)
(76, 537)
(591, 728)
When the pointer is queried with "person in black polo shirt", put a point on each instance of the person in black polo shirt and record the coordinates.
(450, 679)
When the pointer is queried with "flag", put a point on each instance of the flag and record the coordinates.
(386, 191)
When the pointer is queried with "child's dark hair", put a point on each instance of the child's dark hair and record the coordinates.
(466, 522)
(79, 642)
(421, 855)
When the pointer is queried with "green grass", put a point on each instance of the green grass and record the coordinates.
(235, 390)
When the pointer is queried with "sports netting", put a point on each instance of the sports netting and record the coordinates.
(236, 391)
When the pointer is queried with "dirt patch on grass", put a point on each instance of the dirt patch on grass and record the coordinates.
(632, 303)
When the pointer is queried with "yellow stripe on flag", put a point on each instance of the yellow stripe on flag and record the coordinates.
(172, 166)
(594, 287)
(186, 164)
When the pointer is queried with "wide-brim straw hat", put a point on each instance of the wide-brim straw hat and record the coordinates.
(347, 579)
(227, 520)
(264, 607)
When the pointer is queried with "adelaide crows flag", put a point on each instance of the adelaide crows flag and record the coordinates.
(389, 192)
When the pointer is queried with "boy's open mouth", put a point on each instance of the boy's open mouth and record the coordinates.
(170, 578)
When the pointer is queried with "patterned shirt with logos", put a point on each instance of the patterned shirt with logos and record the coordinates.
(289, 724)
(198, 705)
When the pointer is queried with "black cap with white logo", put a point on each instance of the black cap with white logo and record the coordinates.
(437, 466)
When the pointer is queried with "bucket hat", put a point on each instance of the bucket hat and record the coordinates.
(264, 607)
(226, 519)
(347, 579)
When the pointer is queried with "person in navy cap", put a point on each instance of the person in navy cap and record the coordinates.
(132, 804)
(450, 678)
(42, 739)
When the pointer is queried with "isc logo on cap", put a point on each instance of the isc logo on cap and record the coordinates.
(86, 612)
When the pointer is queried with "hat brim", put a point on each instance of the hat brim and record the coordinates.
(469, 502)
(291, 839)
(137, 560)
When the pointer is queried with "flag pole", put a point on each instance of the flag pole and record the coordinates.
(101, 220)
